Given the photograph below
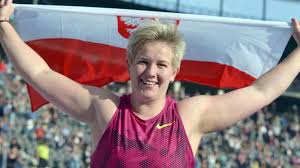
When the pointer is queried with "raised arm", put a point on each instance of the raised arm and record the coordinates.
(68, 95)
(218, 112)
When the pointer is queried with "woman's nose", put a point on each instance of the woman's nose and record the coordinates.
(151, 70)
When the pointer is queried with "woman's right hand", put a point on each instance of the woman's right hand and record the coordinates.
(6, 9)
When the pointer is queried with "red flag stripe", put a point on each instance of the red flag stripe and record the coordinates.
(99, 64)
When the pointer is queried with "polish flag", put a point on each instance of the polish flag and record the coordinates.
(88, 44)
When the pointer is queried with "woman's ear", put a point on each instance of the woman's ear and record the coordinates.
(128, 62)
(175, 72)
(128, 66)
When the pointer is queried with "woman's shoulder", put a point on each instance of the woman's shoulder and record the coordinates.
(194, 106)
(105, 99)
(193, 101)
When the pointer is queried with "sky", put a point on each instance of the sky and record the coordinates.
(281, 10)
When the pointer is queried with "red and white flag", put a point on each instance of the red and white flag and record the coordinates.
(88, 44)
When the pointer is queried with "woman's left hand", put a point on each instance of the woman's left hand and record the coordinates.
(296, 33)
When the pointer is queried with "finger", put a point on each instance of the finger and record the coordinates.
(296, 24)
(9, 2)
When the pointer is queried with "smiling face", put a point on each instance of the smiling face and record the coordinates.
(151, 71)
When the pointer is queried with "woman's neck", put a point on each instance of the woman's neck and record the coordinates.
(146, 109)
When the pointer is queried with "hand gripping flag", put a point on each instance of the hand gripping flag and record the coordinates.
(88, 44)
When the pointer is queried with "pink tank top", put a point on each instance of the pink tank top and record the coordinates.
(132, 142)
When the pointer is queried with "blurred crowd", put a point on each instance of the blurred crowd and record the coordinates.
(266, 139)
(49, 138)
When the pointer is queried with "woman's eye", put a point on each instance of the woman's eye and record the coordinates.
(162, 65)
(142, 62)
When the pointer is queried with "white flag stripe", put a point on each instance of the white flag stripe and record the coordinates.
(251, 49)
(248, 45)
(143, 13)
(33, 25)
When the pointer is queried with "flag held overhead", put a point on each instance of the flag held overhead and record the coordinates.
(88, 44)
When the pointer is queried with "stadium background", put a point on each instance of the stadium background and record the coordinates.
(270, 138)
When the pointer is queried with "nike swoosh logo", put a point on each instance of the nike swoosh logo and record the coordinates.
(158, 126)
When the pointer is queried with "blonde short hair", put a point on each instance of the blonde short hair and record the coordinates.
(151, 31)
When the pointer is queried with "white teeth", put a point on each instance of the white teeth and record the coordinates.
(149, 82)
